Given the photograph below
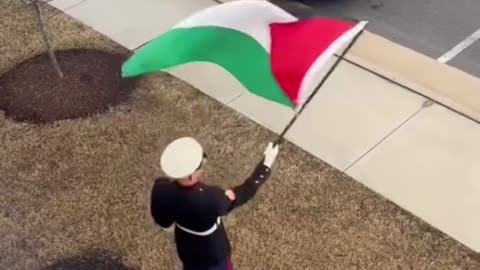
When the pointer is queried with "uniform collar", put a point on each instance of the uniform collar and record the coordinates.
(187, 187)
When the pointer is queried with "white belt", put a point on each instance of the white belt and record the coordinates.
(204, 233)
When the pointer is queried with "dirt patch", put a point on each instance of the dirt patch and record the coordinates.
(96, 260)
(32, 91)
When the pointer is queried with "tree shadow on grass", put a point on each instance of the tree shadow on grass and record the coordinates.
(95, 260)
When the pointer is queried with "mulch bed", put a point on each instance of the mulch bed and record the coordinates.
(33, 92)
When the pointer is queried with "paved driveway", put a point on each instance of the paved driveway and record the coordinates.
(431, 27)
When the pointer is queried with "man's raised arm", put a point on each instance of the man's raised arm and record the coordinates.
(248, 189)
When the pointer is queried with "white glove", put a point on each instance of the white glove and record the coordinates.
(270, 155)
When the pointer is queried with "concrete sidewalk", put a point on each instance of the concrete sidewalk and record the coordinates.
(422, 156)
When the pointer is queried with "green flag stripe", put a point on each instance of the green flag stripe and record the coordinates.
(236, 52)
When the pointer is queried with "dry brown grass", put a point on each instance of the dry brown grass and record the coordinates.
(79, 187)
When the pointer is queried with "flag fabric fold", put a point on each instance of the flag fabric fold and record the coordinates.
(301, 50)
(269, 51)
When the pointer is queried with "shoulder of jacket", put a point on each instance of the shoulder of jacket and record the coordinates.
(162, 181)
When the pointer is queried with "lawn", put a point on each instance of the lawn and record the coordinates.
(76, 192)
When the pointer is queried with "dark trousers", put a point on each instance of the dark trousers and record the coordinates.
(227, 265)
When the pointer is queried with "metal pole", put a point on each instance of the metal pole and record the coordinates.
(279, 140)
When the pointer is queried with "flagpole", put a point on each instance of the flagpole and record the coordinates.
(280, 137)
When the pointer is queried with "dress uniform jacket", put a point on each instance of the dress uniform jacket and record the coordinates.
(196, 211)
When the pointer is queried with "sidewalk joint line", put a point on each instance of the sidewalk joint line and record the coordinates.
(426, 104)
(74, 5)
(233, 99)
(141, 45)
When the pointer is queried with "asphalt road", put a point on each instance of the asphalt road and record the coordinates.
(431, 27)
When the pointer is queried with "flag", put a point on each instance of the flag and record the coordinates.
(269, 51)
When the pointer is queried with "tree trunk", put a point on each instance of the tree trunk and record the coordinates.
(46, 37)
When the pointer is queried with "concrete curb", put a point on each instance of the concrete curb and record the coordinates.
(439, 82)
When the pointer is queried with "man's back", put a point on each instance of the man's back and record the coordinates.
(196, 210)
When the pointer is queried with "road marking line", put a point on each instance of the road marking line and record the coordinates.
(460, 47)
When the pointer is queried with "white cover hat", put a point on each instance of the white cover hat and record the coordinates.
(181, 158)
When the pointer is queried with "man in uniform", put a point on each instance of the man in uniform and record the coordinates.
(181, 203)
